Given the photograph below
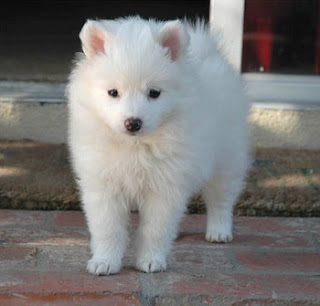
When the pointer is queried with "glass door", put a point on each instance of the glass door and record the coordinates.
(275, 44)
(281, 36)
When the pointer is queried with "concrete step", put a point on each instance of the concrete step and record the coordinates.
(271, 261)
(38, 111)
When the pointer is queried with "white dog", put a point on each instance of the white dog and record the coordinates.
(156, 114)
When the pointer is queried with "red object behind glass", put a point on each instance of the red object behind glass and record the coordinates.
(281, 36)
(317, 48)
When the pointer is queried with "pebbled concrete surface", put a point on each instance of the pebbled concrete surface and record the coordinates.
(35, 175)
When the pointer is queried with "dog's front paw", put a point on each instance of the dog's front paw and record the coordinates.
(219, 233)
(100, 266)
(151, 263)
(218, 237)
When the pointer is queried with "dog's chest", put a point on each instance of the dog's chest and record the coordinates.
(136, 171)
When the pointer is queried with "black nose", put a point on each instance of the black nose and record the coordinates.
(133, 124)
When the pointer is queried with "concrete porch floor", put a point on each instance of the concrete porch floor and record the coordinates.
(38, 111)
(272, 261)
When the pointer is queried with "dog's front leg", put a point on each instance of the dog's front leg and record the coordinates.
(159, 220)
(107, 218)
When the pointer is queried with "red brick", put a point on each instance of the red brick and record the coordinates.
(197, 239)
(270, 260)
(249, 286)
(40, 282)
(309, 224)
(69, 299)
(227, 300)
(21, 218)
(271, 301)
(43, 236)
(17, 253)
(193, 223)
(70, 218)
(264, 224)
(274, 241)
(197, 223)
(189, 257)
(271, 241)
(281, 261)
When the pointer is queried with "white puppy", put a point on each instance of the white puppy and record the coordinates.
(156, 114)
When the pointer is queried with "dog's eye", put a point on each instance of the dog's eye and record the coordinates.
(113, 93)
(154, 93)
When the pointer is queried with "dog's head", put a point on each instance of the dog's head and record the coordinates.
(134, 72)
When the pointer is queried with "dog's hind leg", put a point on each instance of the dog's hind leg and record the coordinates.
(220, 195)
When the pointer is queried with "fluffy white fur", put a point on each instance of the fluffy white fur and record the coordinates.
(193, 136)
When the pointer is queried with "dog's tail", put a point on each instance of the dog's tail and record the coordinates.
(204, 42)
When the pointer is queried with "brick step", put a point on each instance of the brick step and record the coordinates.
(272, 261)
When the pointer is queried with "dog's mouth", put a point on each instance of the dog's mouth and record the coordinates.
(133, 134)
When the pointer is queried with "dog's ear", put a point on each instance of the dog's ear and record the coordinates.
(175, 37)
(94, 37)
